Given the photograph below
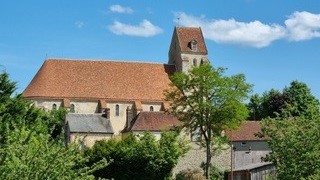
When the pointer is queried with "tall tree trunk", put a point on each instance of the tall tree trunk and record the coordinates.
(208, 163)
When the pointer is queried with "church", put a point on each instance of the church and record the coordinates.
(107, 98)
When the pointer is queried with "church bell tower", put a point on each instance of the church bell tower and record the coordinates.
(187, 48)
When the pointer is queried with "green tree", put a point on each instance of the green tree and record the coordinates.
(295, 100)
(138, 157)
(300, 101)
(208, 102)
(30, 155)
(295, 146)
(29, 147)
(17, 112)
(270, 104)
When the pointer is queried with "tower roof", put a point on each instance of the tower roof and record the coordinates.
(186, 35)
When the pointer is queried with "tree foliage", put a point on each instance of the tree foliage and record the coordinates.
(29, 155)
(138, 157)
(208, 102)
(295, 100)
(30, 147)
(295, 146)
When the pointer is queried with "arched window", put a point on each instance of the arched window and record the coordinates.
(72, 108)
(151, 108)
(202, 61)
(54, 107)
(117, 110)
(194, 62)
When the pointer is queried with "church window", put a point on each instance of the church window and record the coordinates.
(193, 45)
(202, 61)
(54, 107)
(117, 110)
(194, 62)
(151, 108)
(72, 108)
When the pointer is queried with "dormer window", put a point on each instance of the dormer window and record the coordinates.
(151, 108)
(193, 45)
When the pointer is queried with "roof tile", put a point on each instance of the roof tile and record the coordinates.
(186, 35)
(61, 78)
(246, 132)
(153, 121)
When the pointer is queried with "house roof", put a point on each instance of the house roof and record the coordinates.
(246, 132)
(253, 166)
(153, 121)
(62, 78)
(88, 123)
(188, 34)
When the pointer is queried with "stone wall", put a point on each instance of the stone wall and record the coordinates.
(88, 139)
(197, 155)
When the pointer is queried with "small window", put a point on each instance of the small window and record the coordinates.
(202, 61)
(151, 108)
(194, 62)
(117, 110)
(72, 108)
(243, 144)
(54, 107)
(193, 44)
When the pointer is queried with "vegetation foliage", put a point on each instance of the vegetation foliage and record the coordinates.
(207, 102)
(138, 157)
(293, 131)
(31, 144)
(295, 100)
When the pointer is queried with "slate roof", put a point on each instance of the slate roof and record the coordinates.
(153, 121)
(246, 132)
(186, 35)
(89, 79)
(88, 123)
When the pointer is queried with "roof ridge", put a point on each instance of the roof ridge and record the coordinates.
(106, 60)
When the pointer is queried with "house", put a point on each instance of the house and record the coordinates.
(247, 151)
(95, 126)
(257, 171)
(154, 122)
(122, 88)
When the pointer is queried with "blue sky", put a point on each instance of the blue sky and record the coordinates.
(272, 42)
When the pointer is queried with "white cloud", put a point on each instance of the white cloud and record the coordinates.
(303, 26)
(120, 9)
(79, 24)
(255, 33)
(299, 26)
(144, 29)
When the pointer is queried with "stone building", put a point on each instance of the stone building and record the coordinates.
(108, 99)
(122, 88)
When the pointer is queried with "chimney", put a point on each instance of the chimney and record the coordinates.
(106, 113)
(129, 117)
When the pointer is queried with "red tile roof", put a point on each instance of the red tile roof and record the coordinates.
(153, 121)
(61, 78)
(246, 132)
(186, 35)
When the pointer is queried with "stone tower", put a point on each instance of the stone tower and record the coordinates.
(187, 48)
